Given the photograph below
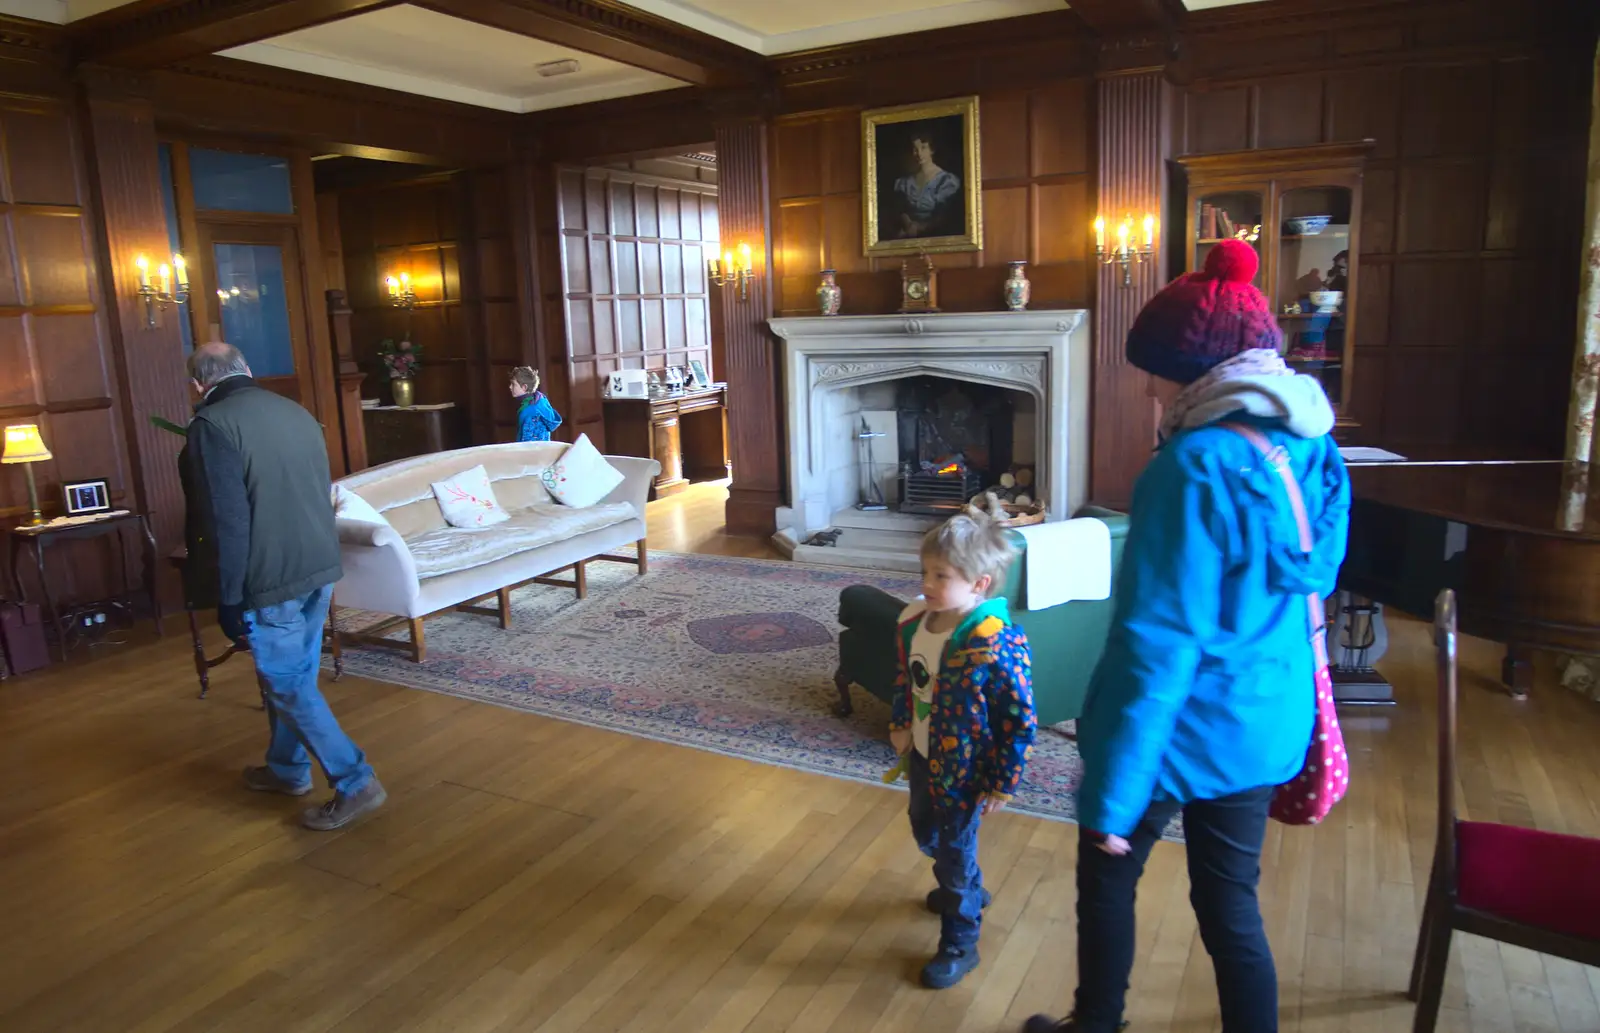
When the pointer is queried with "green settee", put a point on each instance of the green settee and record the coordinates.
(1065, 640)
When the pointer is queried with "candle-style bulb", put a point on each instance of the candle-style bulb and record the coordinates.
(164, 275)
(143, 265)
(182, 269)
(744, 258)
(393, 285)
(1149, 230)
(1100, 233)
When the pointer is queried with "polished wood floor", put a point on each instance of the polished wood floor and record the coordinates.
(534, 875)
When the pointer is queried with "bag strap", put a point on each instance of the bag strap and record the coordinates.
(1278, 458)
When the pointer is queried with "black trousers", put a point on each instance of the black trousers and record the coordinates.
(1223, 839)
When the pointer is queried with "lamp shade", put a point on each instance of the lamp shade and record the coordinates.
(24, 445)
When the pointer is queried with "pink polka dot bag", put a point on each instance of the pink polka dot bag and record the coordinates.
(1310, 795)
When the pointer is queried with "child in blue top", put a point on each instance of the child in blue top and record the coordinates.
(963, 720)
(536, 417)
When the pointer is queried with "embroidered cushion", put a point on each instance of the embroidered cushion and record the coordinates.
(468, 501)
(581, 477)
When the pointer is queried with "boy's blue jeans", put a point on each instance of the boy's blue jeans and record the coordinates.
(949, 835)
(286, 642)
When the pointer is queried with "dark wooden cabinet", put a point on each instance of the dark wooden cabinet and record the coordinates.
(687, 434)
(400, 433)
(1300, 207)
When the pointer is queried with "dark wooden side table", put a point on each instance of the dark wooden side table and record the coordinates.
(400, 432)
(686, 433)
(36, 538)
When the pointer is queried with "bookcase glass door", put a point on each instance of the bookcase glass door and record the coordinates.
(1312, 281)
(1224, 214)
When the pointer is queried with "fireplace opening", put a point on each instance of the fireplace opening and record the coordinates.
(956, 439)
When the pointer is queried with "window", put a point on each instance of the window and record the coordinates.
(225, 181)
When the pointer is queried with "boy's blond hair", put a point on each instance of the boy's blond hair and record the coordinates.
(973, 542)
(527, 377)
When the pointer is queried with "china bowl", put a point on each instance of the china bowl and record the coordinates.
(1308, 225)
(1327, 301)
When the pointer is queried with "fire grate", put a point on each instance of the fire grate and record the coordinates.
(933, 494)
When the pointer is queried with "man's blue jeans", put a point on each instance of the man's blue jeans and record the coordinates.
(286, 641)
(949, 835)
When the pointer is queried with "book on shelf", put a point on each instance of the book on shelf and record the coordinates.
(1227, 227)
(1208, 222)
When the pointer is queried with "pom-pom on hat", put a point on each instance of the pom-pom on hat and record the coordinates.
(1203, 318)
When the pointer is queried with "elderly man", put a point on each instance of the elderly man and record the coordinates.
(263, 550)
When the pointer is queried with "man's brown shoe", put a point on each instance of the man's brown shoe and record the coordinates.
(342, 810)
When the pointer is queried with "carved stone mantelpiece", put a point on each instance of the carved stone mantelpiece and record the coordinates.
(1041, 354)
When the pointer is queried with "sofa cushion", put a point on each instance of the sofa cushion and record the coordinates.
(521, 492)
(449, 549)
(581, 477)
(468, 501)
(347, 505)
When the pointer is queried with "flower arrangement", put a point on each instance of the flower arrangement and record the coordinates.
(401, 360)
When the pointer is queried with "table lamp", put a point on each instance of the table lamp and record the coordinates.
(24, 445)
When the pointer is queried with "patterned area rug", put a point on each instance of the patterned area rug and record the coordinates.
(734, 656)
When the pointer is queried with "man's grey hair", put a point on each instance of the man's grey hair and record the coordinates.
(216, 361)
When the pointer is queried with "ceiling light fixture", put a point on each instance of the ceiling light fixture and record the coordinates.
(566, 66)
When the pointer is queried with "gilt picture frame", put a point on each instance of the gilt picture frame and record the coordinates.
(921, 181)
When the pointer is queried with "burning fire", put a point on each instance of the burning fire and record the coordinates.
(948, 469)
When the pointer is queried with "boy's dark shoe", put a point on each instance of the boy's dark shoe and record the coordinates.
(342, 810)
(262, 780)
(936, 897)
(948, 966)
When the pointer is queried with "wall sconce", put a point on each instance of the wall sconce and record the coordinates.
(1125, 252)
(740, 271)
(401, 293)
(163, 291)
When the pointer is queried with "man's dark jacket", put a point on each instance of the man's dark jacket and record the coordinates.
(259, 512)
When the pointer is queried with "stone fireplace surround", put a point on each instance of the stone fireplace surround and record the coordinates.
(1043, 354)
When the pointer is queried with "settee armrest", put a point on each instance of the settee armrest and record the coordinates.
(637, 477)
(870, 610)
(379, 571)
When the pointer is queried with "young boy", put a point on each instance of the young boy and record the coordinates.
(963, 708)
(536, 417)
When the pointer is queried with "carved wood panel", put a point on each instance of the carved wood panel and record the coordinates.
(633, 258)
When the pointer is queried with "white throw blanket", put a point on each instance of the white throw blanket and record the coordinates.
(1066, 560)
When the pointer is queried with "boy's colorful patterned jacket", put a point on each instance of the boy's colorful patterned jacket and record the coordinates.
(981, 728)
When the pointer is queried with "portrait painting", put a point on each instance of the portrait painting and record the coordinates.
(921, 186)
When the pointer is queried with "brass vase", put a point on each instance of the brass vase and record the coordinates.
(404, 390)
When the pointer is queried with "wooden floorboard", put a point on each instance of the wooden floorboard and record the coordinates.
(531, 875)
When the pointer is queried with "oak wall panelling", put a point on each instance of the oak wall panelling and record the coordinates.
(1134, 133)
(1037, 150)
(1469, 254)
(153, 379)
(633, 259)
(57, 367)
(755, 434)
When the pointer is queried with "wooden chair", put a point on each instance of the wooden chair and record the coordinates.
(1520, 886)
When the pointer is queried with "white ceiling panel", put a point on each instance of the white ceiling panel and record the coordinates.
(418, 51)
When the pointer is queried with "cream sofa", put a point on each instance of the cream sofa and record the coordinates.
(415, 565)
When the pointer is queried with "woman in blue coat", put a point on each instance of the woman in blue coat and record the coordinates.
(1203, 701)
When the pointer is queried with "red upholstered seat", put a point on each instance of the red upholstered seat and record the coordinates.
(1538, 878)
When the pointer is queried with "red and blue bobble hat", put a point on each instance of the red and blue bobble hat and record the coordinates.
(1202, 318)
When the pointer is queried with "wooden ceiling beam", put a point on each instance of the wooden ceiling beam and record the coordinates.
(155, 33)
(613, 30)
(1120, 18)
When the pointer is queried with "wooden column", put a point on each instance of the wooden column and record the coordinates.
(124, 167)
(1133, 121)
(755, 437)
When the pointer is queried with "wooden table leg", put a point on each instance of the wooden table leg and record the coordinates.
(1516, 670)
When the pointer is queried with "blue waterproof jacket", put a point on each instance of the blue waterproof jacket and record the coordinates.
(536, 418)
(1205, 688)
